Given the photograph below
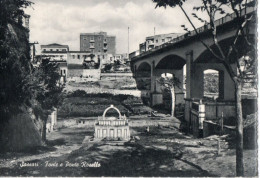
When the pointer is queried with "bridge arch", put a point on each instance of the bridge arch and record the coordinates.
(143, 76)
(171, 61)
(207, 57)
(213, 83)
(144, 66)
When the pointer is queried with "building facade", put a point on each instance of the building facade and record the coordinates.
(78, 57)
(100, 44)
(57, 53)
(157, 40)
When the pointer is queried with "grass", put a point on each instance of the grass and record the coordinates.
(81, 104)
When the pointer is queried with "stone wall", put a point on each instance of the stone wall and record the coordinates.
(21, 133)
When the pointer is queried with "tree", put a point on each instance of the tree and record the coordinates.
(170, 83)
(108, 67)
(16, 86)
(244, 57)
(51, 94)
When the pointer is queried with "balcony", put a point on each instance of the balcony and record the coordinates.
(150, 42)
(92, 47)
(105, 41)
(92, 41)
(105, 48)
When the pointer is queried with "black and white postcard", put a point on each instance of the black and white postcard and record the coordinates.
(128, 88)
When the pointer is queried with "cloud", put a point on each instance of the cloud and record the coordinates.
(63, 21)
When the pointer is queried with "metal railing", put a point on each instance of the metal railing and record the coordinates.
(204, 28)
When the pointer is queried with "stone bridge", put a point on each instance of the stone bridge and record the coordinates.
(186, 56)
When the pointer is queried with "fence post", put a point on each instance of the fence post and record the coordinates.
(222, 123)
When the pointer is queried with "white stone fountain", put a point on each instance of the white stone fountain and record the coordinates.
(112, 128)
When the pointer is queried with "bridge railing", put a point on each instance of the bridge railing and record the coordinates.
(221, 21)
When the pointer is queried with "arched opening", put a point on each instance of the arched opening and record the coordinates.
(241, 46)
(171, 62)
(144, 70)
(166, 91)
(110, 111)
(213, 84)
(143, 76)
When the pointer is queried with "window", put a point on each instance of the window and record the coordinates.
(84, 38)
(73, 56)
(63, 49)
(91, 45)
(92, 51)
(92, 38)
(103, 56)
(78, 56)
(163, 40)
(99, 45)
(156, 41)
(51, 50)
(57, 49)
(105, 40)
(99, 51)
(99, 38)
(44, 49)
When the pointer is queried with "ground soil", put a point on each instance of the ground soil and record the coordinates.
(164, 151)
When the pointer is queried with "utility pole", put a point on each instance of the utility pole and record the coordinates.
(128, 44)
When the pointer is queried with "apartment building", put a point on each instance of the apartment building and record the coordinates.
(56, 52)
(100, 44)
(157, 40)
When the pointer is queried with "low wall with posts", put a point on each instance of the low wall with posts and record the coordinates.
(214, 110)
(211, 128)
(196, 111)
(197, 118)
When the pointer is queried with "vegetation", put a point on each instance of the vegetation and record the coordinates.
(240, 51)
(23, 87)
(51, 94)
(82, 104)
(211, 83)
(16, 86)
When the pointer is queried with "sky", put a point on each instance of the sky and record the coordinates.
(62, 21)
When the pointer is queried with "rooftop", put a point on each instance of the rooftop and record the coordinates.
(97, 33)
(56, 45)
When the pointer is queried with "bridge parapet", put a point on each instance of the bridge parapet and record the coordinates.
(219, 22)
